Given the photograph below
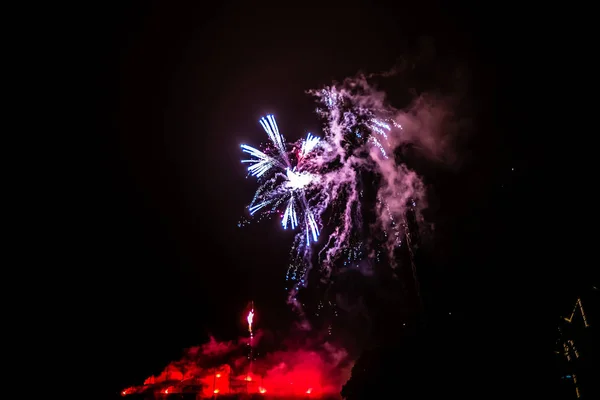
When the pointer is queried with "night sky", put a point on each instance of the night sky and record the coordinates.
(181, 87)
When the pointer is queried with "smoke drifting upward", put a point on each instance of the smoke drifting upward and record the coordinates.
(365, 133)
(298, 368)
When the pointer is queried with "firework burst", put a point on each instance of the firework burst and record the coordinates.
(305, 180)
(285, 179)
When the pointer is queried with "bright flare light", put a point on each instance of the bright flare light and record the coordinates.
(249, 319)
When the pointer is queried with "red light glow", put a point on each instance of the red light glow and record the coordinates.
(129, 390)
(288, 373)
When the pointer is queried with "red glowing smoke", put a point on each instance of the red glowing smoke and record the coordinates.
(300, 372)
(298, 369)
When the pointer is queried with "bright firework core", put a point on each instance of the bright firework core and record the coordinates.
(297, 181)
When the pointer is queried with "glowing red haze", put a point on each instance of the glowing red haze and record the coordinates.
(219, 368)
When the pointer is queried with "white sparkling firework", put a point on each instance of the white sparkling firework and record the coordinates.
(301, 180)
(283, 183)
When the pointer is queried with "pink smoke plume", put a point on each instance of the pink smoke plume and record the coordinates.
(355, 101)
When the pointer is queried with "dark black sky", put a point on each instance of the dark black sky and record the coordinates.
(182, 86)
